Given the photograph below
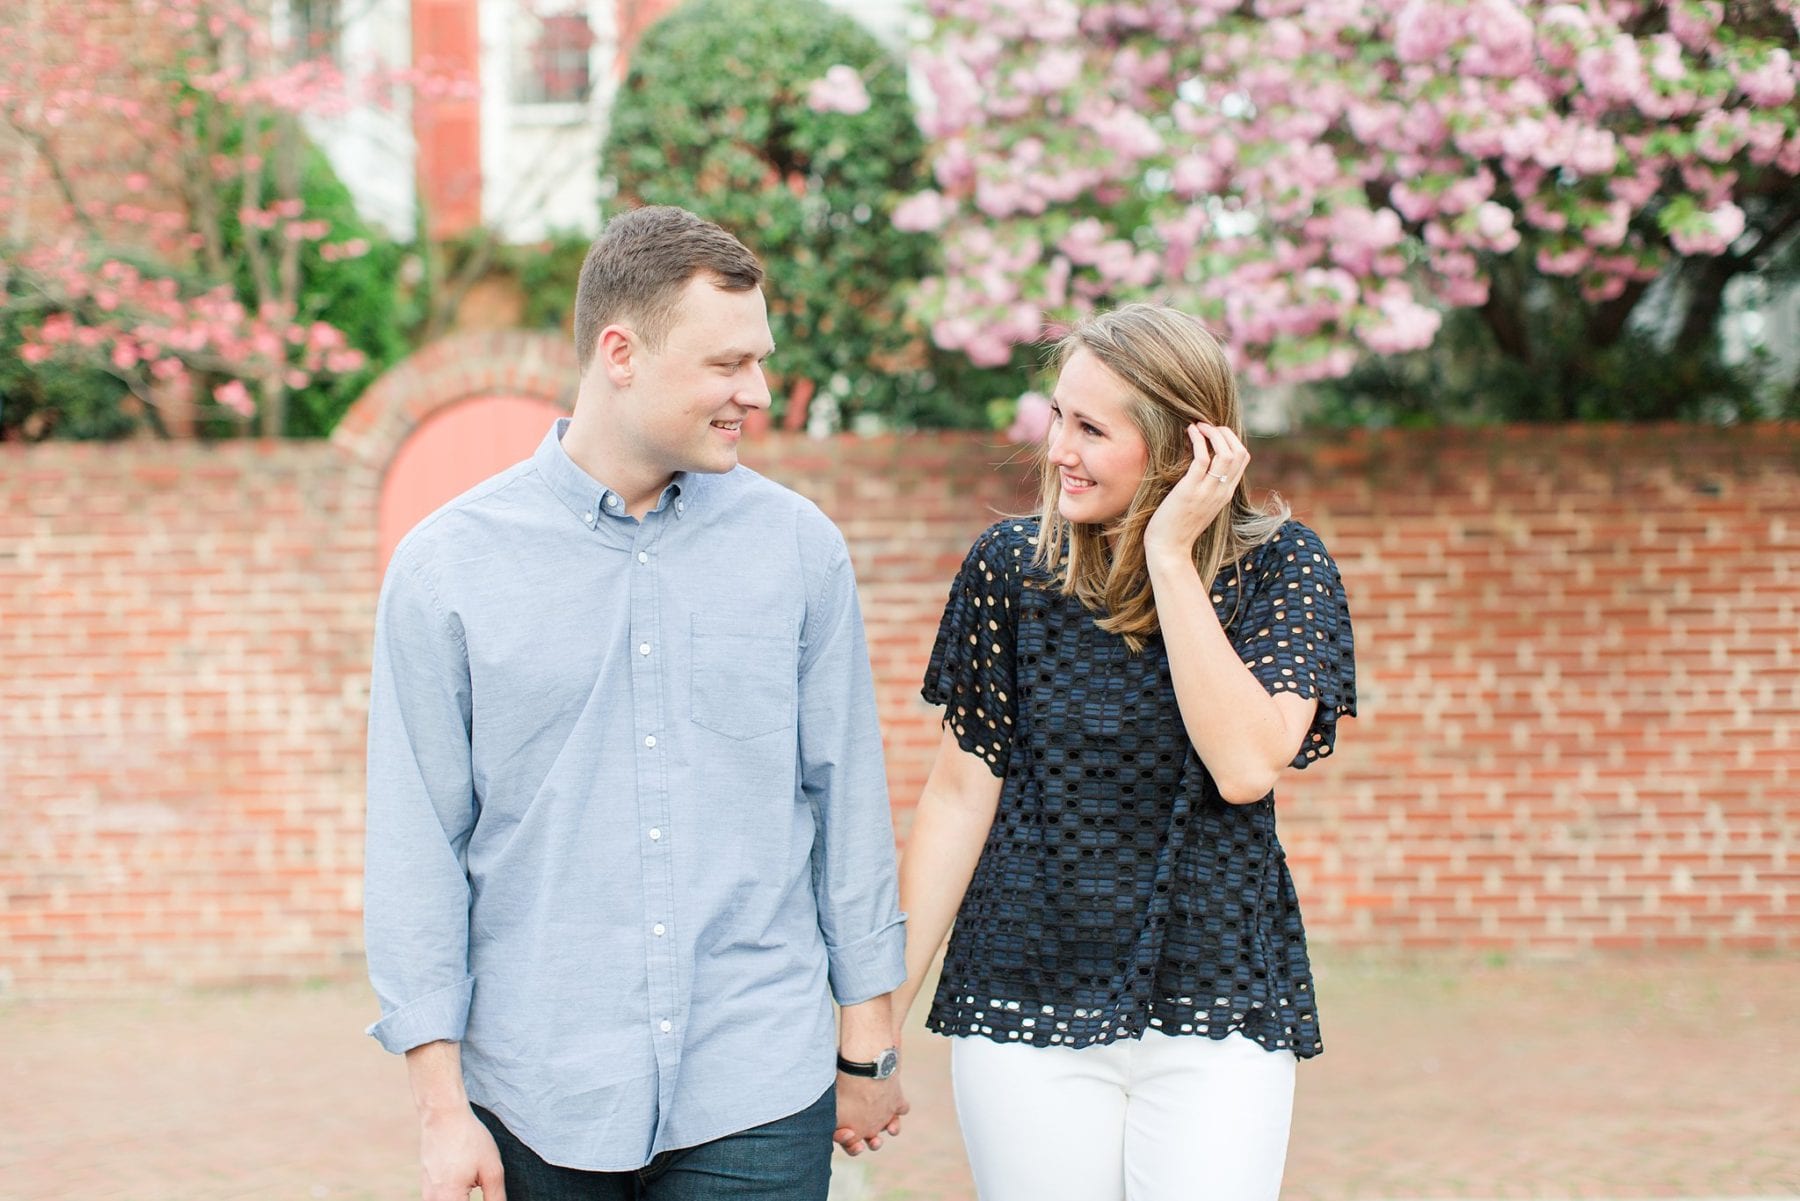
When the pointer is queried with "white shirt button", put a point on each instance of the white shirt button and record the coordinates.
(588, 517)
(655, 833)
(650, 741)
(666, 1025)
(643, 648)
(680, 506)
(657, 929)
(643, 556)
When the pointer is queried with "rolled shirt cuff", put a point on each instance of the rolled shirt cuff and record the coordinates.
(440, 1016)
(870, 967)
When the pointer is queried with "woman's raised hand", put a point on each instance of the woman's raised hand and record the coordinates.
(1201, 494)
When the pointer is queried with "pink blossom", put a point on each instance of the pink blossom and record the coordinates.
(1770, 84)
(1491, 127)
(1399, 323)
(1695, 22)
(1612, 72)
(1466, 193)
(1494, 222)
(1720, 135)
(840, 91)
(1542, 216)
(1423, 30)
(1609, 225)
(1412, 203)
(923, 211)
(1563, 31)
(1194, 175)
(1572, 259)
(1054, 289)
(1599, 289)
(1666, 62)
(1126, 133)
(1727, 222)
(1637, 189)
(234, 396)
(1056, 70)
(1464, 293)
(1502, 38)
(1592, 151)
(1524, 138)
(1031, 419)
(1371, 122)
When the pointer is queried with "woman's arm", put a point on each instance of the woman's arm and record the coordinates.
(1243, 734)
(951, 823)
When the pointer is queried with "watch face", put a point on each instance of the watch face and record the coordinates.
(884, 1067)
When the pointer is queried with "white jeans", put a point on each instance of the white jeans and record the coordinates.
(1161, 1118)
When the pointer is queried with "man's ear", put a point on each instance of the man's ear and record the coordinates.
(615, 353)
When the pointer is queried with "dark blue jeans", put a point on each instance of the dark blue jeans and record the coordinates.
(788, 1159)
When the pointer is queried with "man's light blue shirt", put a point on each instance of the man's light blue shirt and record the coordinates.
(628, 830)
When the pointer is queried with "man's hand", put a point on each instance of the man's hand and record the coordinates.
(456, 1154)
(866, 1110)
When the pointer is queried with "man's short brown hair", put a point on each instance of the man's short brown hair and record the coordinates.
(637, 268)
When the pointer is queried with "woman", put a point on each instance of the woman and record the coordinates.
(1125, 676)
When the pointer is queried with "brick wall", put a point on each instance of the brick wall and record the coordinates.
(183, 640)
(1578, 677)
(1581, 709)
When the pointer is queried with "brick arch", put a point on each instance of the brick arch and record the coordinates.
(461, 367)
(446, 418)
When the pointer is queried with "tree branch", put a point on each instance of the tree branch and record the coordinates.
(1606, 321)
(1504, 314)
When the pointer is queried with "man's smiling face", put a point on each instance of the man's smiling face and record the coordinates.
(688, 398)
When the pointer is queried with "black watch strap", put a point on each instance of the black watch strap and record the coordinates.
(881, 1069)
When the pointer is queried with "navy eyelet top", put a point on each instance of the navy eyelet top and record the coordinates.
(1117, 891)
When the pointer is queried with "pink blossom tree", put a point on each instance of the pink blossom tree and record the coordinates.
(1323, 179)
(154, 213)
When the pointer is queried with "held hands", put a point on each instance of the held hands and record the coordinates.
(866, 1110)
(1200, 495)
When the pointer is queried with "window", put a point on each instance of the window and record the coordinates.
(555, 53)
(315, 29)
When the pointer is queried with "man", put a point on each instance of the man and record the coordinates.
(628, 829)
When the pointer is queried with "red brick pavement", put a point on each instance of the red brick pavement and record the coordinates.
(1623, 1078)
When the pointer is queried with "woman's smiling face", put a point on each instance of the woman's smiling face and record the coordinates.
(1094, 444)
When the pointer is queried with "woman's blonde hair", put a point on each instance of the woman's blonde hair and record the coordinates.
(1176, 373)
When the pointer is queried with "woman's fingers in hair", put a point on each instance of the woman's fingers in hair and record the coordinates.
(1223, 453)
(1203, 450)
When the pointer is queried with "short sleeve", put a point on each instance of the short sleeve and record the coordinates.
(1294, 633)
(971, 671)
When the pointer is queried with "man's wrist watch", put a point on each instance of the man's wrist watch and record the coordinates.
(881, 1069)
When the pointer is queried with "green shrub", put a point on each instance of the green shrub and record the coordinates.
(55, 399)
(1464, 379)
(714, 116)
(547, 273)
(359, 296)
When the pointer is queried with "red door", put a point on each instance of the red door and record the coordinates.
(453, 450)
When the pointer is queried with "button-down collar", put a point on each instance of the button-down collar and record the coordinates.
(589, 499)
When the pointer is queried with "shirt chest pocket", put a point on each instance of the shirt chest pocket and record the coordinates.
(744, 681)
